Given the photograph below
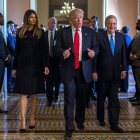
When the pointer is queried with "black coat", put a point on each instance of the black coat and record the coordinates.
(31, 56)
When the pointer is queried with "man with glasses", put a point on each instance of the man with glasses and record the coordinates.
(110, 68)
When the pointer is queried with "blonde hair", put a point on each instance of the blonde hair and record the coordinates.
(36, 30)
(74, 11)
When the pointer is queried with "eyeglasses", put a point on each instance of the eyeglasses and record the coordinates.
(112, 23)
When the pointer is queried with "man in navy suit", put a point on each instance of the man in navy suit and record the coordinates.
(75, 73)
(110, 68)
(53, 78)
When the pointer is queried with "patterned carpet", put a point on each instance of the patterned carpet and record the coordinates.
(50, 122)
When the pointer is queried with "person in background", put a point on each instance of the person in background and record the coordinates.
(43, 27)
(53, 78)
(76, 46)
(107, 72)
(128, 39)
(94, 21)
(11, 48)
(30, 62)
(134, 55)
(4, 57)
(86, 22)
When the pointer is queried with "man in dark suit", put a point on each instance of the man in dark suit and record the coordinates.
(134, 55)
(2, 58)
(11, 47)
(94, 21)
(76, 46)
(53, 78)
(110, 68)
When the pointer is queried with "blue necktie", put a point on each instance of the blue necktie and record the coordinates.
(112, 44)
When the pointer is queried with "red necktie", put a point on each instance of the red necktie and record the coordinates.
(76, 49)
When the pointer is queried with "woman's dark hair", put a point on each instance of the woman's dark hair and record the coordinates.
(37, 31)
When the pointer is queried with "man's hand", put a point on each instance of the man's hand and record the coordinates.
(91, 53)
(95, 76)
(132, 57)
(46, 71)
(123, 74)
(66, 53)
(14, 73)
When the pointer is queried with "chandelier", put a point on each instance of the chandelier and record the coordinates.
(66, 9)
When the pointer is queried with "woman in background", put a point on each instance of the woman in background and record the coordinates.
(31, 59)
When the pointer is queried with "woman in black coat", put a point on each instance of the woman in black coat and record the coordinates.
(31, 58)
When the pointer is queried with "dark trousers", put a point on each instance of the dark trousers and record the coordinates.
(75, 92)
(137, 93)
(2, 69)
(124, 83)
(108, 89)
(53, 82)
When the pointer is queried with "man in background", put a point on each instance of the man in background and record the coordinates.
(53, 78)
(4, 57)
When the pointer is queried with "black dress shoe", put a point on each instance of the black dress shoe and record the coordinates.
(49, 104)
(137, 103)
(87, 106)
(3, 111)
(93, 98)
(32, 126)
(102, 123)
(116, 129)
(81, 127)
(68, 135)
(133, 99)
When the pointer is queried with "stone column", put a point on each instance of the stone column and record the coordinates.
(33, 4)
(3, 10)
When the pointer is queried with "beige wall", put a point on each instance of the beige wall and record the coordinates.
(95, 9)
(43, 11)
(126, 12)
(16, 10)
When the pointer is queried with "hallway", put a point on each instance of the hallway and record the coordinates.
(50, 120)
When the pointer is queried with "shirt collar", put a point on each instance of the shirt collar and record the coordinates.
(74, 29)
(111, 34)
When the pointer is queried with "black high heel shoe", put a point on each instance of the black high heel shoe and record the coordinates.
(32, 125)
(22, 130)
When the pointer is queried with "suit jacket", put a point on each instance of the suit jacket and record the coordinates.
(39, 55)
(108, 66)
(135, 50)
(64, 41)
(2, 47)
(11, 43)
(54, 58)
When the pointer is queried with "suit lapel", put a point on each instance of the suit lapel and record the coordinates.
(70, 38)
(116, 42)
(84, 34)
(106, 40)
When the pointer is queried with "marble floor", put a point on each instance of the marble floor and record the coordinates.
(50, 120)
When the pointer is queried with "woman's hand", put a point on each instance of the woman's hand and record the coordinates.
(14, 73)
(46, 71)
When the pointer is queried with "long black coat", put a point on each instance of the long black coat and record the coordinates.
(31, 56)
